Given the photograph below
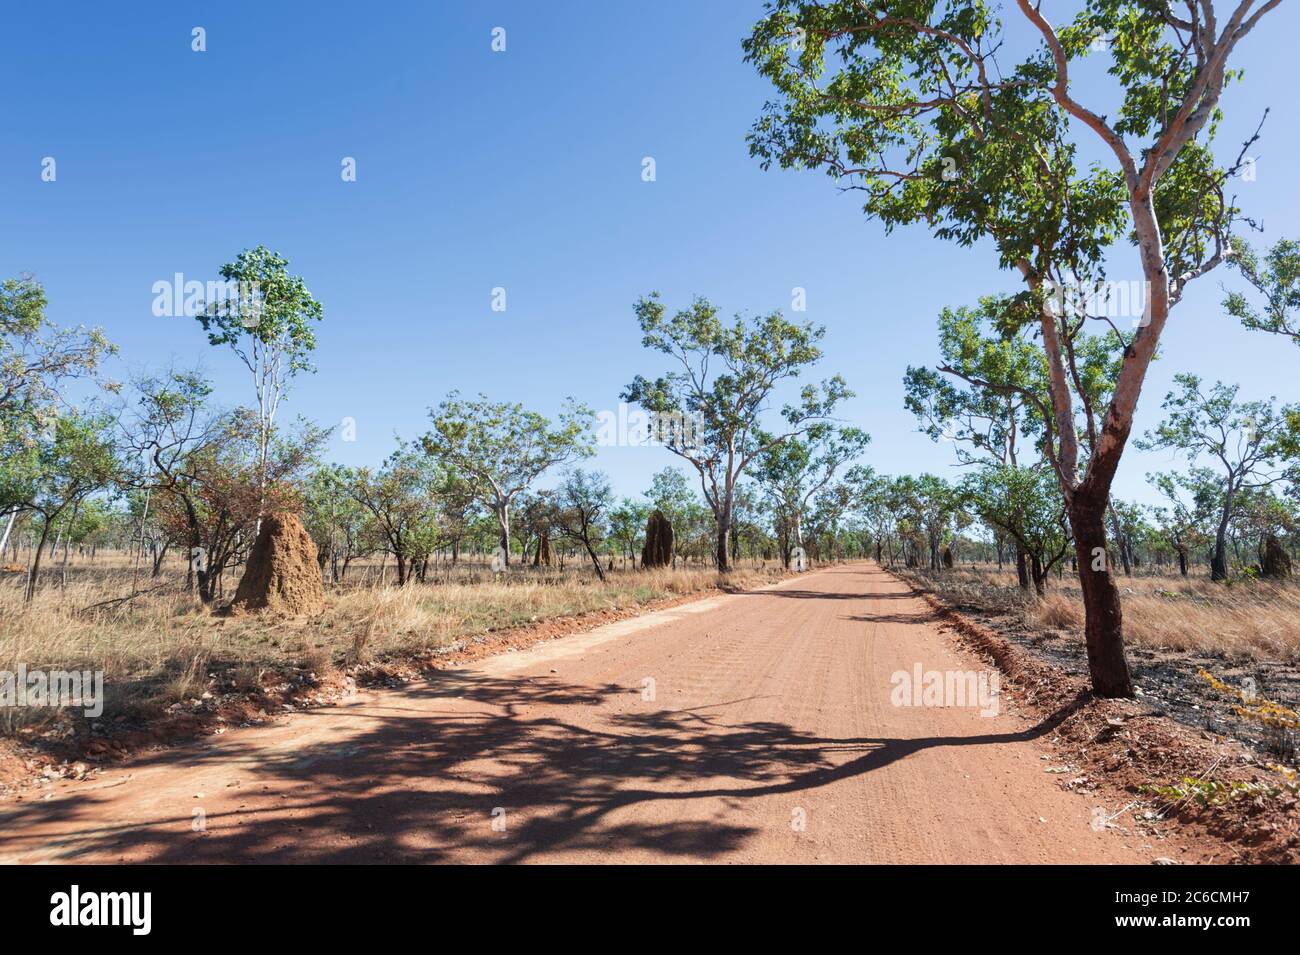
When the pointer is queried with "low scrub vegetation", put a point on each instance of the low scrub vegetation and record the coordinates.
(161, 647)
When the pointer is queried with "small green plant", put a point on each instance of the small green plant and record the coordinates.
(1210, 793)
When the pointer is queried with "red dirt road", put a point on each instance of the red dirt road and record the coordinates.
(770, 737)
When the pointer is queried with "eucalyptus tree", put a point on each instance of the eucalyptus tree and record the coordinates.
(928, 510)
(532, 519)
(1264, 517)
(458, 506)
(976, 398)
(165, 434)
(583, 502)
(268, 323)
(340, 525)
(982, 344)
(37, 361)
(399, 499)
(714, 399)
(1130, 528)
(501, 448)
(670, 492)
(76, 458)
(1246, 439)
(1187, 520)
(627, 523)
(832, 508)
(869, 499)
(931, 114)
(226, 488)
(1025, 504)
(793, 472)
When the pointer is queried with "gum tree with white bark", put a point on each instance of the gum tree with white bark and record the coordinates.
(931, 112)
(269, 325)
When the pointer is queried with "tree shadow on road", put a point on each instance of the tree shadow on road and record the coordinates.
(418, 782)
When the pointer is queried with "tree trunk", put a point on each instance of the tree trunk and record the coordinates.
(724, 551)
(503, 519)
(595, 560)
(207, 584)
(36, 561)
(1104, 619)
(1040, 575)
(1182, 561)
(1219, 561)
(158, 555)
(9, 526)
(1022, 569)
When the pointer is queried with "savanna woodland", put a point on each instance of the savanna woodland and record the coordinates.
(135, 501)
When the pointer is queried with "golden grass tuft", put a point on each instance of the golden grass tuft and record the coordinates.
(1058, 611)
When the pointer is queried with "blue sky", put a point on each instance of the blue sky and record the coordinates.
(519, 170)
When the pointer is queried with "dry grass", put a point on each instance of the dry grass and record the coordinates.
(162, 646)
(1245, 619)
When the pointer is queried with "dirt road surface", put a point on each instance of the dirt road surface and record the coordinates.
(742, 728)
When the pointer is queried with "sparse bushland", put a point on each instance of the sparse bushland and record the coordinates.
(1247, 619)
(166, 646)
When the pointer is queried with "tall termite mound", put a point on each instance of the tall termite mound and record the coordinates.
(542, 558)
(282, 575)
(658, 550)
(1275, 562)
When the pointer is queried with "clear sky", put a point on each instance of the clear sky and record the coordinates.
(519, 169)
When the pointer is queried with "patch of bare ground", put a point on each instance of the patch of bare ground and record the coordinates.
(1174, 761)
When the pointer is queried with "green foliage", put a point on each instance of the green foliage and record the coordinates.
(399, 500)
(1277, 280)
(77, 458)
(1002, 372)
(794, 472)
(272, 315)
(500, 448)
(1243, 436)
(627, 523)
(1215, 793)
(728, 372)
(1248, 440)
(904, 104)
(37, 361)
(1024, 503)
(582, 505)
(339, 524)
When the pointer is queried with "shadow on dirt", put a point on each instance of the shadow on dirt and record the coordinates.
(399, 789)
